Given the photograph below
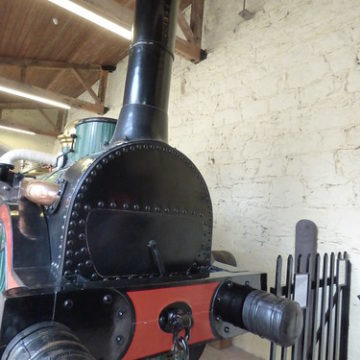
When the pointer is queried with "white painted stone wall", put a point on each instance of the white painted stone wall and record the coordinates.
(272, 119)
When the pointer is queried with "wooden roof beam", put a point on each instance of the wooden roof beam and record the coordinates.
(86, 86)
(72, 102)
(185, 28)
(51, 65)
(185, 4)
(10, 123)
(196, 20)
(23, 106)
(47, 118)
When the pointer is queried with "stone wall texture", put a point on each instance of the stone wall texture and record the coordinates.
(272, 120)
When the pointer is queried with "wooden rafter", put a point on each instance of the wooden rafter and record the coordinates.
(196, 20)
(47, 64)
(60, 122)
(102, 85)
(22, 106)
(185, 28)
(85, 85)
(11, 123)
(72, 102)
(47, 118)
(185, 4)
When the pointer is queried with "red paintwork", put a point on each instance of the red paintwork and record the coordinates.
(149, 339)
(6, 220)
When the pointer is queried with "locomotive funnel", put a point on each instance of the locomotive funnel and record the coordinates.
(146, 97)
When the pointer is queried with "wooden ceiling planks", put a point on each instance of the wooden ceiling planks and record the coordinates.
(40, 30)
(32, 34)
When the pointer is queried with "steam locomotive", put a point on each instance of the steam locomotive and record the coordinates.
(109, 257)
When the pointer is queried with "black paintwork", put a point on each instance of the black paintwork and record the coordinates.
(100, 314)
(139, 191)
(146, 97)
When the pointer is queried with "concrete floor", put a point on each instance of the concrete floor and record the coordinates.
(230, 353)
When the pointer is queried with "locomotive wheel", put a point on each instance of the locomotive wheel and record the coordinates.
(46, 341)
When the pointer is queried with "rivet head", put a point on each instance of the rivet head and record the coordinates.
(68, 263)
(125, 206)
(119, 339)
(83, 250)
(98, 166)
(77, 206)
(120, 314)
(68, 304)
(69, 253)
(136, 207)
(82, 236)
(113, 205)
(74, 214)
(101, 204)
(107, 299)
(88, 263)
(87, 207)
(94, 276)
(80, 196)
(71, 232)
(226, 329)
(82, 222)
(167, 210)
(157, 209)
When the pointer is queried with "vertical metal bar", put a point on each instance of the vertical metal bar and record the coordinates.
(289, 276)
(297, 347)
(278, 292)
(331, 305)
(323, 305)
(345, 307)
(316, 307)
(308, 310)
(337, 308)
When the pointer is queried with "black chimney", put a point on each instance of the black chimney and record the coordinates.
(146, 98)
